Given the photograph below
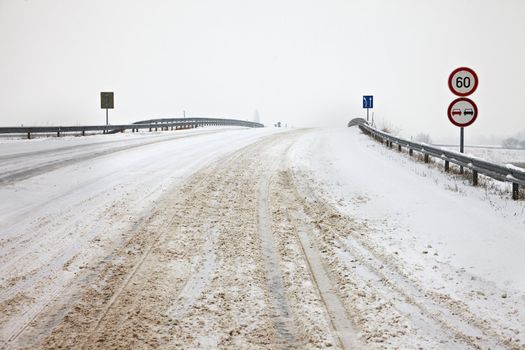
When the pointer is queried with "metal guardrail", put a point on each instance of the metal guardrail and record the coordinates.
(163, 124)
(507, 173)
(204, 122)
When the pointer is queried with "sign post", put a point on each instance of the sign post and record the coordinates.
(368, 102)
(106, 102)
(462, 112)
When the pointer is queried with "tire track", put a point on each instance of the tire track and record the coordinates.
(283, 322)
(342, 327)
(455, 321)
(195, 285)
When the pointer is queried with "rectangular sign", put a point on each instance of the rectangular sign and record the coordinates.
(106, 100)
(368, 101)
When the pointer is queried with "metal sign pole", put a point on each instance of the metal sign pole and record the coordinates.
(461, 145)
(106, 131)
(367, 114)
(462, 139)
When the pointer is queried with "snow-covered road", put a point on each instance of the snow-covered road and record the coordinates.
(237, 238)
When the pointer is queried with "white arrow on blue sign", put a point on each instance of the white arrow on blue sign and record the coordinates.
(368, 101)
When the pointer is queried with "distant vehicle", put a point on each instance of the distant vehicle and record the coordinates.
(456, 112)
(468, 111)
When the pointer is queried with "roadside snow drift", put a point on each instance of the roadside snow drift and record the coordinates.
(464, 244)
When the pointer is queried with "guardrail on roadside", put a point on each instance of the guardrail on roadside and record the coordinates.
(507, 173)
(163, 124)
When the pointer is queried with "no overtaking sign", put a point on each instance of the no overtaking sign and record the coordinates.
(462, 112)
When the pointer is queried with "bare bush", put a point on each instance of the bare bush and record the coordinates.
(389, 128)
(425, 138)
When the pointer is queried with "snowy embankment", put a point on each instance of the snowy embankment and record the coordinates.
(461, 243)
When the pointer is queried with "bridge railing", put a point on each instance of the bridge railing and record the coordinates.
(506, 173)
(163, 124)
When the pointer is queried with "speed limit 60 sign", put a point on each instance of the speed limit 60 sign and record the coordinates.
(463, 81)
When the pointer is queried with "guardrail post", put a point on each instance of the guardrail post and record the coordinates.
(410, 152)
(83, 132)
(58, 133)
(474, 178)
(447, 166)
(427, 158)
(515, 191)
(399, 148)
(391, 144)
(28, 135)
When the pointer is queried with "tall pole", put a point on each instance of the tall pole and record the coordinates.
(462, 140)
(367, 114)
(461, 145)
(105, 131)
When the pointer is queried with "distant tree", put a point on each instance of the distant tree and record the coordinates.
(511, 142)
(388, 127)
(425, 138)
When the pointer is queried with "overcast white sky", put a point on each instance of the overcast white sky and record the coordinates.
(303, 62)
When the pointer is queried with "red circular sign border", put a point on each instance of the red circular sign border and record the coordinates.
(449, 112)
(471, 71)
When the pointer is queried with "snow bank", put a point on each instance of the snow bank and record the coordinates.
(465, 243)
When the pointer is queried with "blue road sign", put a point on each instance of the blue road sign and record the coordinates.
(368, 101)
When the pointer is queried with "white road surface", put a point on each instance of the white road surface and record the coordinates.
(252, 239)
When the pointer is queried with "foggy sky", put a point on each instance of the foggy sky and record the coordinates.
(302, 62)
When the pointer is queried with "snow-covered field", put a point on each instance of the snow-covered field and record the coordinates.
(497, 155)
(251, 238)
